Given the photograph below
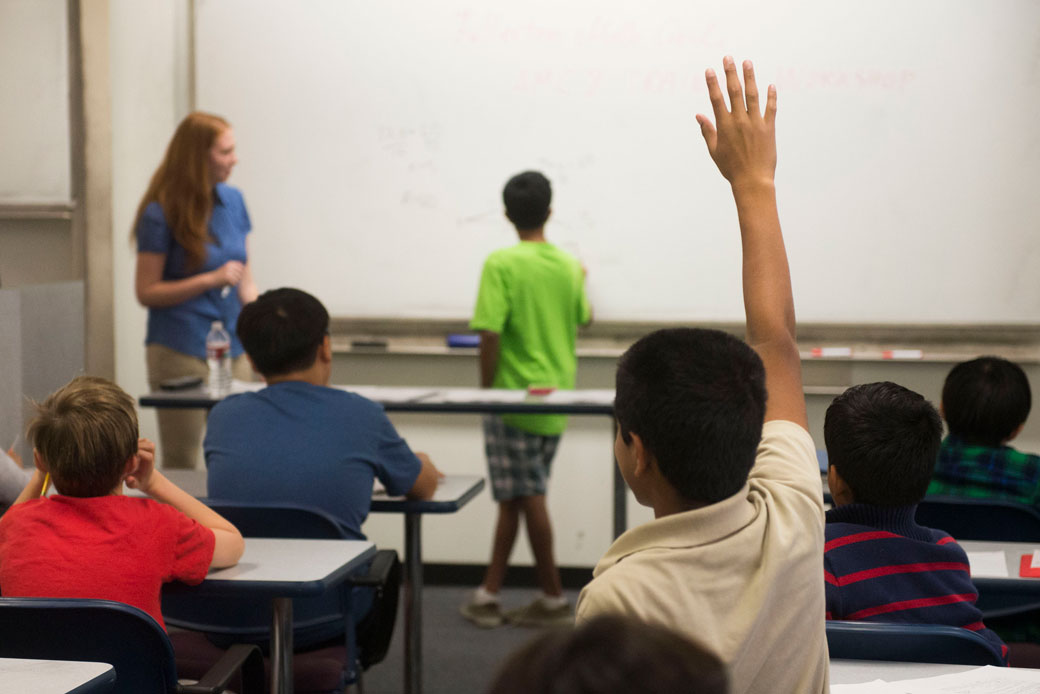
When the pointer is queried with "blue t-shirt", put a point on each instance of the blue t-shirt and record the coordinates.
(183, 327)
(298, 443)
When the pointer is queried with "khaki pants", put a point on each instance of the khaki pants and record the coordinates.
(180, 431)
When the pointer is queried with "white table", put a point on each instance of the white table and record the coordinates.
(453, 492)
(282, 570)
(55, 676)
(857, 671)
(1004, 596)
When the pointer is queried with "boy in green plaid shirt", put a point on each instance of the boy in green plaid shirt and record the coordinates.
(985, 402)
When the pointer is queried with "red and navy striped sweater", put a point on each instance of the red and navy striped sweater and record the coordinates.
(881, 566)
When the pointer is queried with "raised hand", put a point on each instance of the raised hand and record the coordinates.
(741, 141)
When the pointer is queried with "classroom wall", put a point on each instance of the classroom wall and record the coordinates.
(149, 44)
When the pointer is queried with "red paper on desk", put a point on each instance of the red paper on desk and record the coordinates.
(1026, 568)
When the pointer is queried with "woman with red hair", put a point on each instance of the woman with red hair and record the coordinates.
(192, 268)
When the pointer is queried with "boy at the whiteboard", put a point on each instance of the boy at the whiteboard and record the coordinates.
(713, 435)
(529, 306)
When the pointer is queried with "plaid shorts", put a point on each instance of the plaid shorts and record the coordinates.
(518, 461)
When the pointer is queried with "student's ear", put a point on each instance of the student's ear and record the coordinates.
(840, 492)
(325, 351)
(128, 468)
(253, 366)
(640, 455)
(1014, 433)
(40, 463)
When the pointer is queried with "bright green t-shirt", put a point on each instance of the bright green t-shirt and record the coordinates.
(533, 295)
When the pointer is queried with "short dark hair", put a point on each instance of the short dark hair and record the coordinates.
(86, 431)
(697, 399)
(883, 439)
(527, 197)
(609, 654)
(985, 400)
(282, 330)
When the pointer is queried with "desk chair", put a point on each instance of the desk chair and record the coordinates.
(129, 639)
(320, 664)
(980, 519)
(917, 643)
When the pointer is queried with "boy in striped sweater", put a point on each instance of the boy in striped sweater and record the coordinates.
(879, 564)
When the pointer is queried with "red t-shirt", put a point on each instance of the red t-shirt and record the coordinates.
(107, 547)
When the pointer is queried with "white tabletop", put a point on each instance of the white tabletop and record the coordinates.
(294, 561)
(51, 676)
(856, 671)
(1013, 552)
(450, 488)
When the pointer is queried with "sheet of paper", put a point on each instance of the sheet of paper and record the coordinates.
(875, 687)
(988, 564)
(1035, 561)
(983, 680)
(246, 386)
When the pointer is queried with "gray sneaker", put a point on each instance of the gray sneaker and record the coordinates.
(539, 616)
(486, 616)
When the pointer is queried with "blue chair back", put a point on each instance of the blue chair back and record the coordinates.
(916, 643)
(100, 631)
(245, 620)
(980, 519)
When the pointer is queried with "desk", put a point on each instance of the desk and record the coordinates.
(454, 492)
(1003, 596)
(55, 676)
(283, 570)
(856, 671)
(448, 401)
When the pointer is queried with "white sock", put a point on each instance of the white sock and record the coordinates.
(553, 602)
(482, 596)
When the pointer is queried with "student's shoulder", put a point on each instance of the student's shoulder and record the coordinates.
(788, 446)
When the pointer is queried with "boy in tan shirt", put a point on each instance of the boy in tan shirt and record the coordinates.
(734, 556)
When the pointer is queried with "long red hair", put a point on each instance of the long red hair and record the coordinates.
(182, 184)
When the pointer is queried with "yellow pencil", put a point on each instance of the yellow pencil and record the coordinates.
(46, 483)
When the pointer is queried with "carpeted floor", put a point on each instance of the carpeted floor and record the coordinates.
(458, 658)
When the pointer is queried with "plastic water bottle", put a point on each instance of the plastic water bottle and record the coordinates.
(218, 358)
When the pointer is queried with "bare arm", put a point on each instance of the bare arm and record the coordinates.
(155, 292)
(33, 489)
(742, 142)
(426, 483)
(229, 543)
(489, 348)
(247, 291)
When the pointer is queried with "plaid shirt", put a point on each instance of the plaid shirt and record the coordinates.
(984, 472)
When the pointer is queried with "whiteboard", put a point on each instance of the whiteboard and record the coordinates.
(34, 120)
(374, 139)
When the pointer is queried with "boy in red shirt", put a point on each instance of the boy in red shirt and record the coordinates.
(89, 540)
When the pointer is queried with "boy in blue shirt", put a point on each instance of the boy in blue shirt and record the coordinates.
(879, 564)
(299, 441)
